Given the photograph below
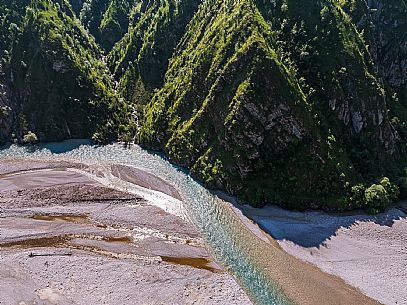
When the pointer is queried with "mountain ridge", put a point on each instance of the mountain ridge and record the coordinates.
(300, 103)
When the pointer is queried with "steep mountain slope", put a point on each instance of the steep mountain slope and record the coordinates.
(76, 5)
(58, 85)
(384, 24)
(256, 101)
(140, 60)
(301, 103)
(107, 20)
(91, 15)
(10, 15)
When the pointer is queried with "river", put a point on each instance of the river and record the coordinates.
(268, 274)
(231, 242)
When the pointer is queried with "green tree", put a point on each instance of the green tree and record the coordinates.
(30, 138)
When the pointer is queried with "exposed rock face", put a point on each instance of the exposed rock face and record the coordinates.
(287, 101)
(384, 26)
(282, 111)
(391, 40)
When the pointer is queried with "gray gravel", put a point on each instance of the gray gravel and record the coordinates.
(76, 242)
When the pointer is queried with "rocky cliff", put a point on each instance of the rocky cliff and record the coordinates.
(301, 103)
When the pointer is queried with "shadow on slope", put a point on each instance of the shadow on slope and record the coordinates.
(315, 228)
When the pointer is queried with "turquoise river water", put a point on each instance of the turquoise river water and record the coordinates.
(232, 243)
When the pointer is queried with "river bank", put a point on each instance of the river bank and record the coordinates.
(262, 267)
(67, 239)
(367, 252)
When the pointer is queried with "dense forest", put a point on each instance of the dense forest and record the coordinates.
(302, 103)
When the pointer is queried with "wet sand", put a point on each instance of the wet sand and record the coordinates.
(85, 221)
(302, 282)
(41, 178)
(144, 179)
(367, 252)
(65, 239)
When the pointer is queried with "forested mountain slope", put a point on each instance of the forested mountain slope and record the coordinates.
(301, 103)
(58, 85)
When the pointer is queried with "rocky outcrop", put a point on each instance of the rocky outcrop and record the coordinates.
(385, 28)
(390, 32)
(275, 102)
(301, 103)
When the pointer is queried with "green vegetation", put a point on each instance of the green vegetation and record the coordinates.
(4, 111)
(300, 103)
(255, 90)
(61, 87)
(139, 60)
(30, 138)
(376, 197)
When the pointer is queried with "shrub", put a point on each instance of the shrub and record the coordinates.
(375, 197)
(30, 138)
(4, 111)
(357, 197)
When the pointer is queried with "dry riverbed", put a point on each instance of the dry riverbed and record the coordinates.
(66, 239)
(367, 252)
